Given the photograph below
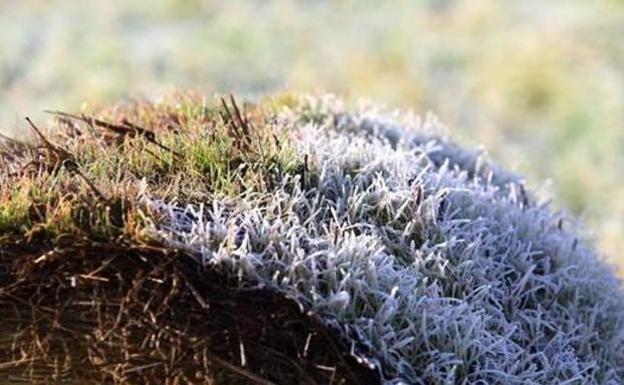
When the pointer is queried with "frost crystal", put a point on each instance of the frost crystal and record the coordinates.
(438, 266)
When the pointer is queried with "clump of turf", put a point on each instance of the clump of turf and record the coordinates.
(398, 256)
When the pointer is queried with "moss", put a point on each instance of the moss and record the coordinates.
(14, 206)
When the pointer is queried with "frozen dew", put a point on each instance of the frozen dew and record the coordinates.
(437, 265)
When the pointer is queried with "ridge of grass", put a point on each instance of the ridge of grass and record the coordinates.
(83, 176)
(430, 263)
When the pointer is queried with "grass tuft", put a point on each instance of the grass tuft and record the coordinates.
(413, 258)
(82, 176)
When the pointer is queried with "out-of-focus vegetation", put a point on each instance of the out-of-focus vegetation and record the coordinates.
(539, 84)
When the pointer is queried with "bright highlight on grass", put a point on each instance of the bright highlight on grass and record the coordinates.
(423, 261)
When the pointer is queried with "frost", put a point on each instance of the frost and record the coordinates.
(437, 265)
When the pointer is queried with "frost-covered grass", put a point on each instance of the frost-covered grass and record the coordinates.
(534, 77)
(437, 266)
(440, 268)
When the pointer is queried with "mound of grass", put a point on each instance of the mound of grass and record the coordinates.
(292, 240)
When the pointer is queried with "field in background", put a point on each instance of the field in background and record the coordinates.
(539, 84)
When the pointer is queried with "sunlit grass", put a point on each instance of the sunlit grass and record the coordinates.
(538, 84)
(403, 242)
(84, 177)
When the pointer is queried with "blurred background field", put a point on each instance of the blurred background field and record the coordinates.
(540, 84)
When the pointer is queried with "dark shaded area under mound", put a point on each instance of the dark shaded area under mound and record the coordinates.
(114, 315)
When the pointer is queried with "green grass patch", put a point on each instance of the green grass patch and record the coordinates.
(83, 176)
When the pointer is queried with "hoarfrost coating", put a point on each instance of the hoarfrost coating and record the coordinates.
(437, 266)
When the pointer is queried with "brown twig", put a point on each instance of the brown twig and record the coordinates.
(126, 128)
(238, 124)
(238, 370)
(67, 159)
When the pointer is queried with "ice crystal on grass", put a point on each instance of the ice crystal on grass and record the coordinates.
(437, 265)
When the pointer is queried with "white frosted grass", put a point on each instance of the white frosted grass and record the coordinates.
(438, 266)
